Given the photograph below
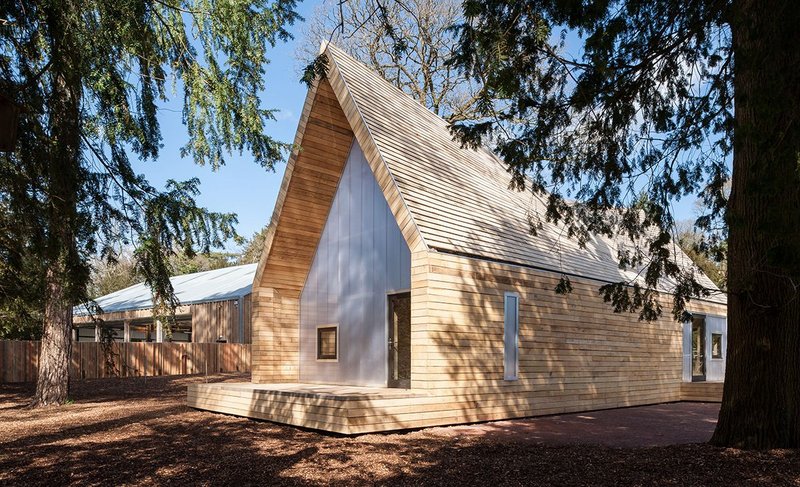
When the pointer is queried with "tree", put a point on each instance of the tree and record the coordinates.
(107, 277)
(180, 264)
(21, 282)
(91, 77)
(369, 30)
(694, 244)
(647, 105)
(251, 253)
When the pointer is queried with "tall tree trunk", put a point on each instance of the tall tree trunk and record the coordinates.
(761, 398)
(52, 385)
(63, 187)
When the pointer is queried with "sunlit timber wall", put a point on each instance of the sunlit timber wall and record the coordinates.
(575, 353)
(275, 356)
(304, 201)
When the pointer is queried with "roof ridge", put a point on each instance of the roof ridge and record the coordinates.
(459, 197)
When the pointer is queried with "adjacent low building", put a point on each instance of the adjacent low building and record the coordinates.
(214, 307)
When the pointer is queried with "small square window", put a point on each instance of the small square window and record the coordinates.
(716, 345)
(327, 343)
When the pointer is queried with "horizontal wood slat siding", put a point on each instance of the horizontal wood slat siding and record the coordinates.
(701, 391)
(575, 353)
(247, 316)
(321, 147)
(19, 359)
(459, 199)
(276, 337)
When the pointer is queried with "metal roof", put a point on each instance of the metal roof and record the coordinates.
(199, 287)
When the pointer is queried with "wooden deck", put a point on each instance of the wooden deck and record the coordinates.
(353, 410)
(339, 409)
(702, 391)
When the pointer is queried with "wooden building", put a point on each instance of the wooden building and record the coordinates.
(400, 287)
(214, 307)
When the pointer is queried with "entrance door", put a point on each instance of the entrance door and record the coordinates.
(698, 349)
(400, 340)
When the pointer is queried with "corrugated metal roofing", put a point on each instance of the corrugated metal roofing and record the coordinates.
(460, 198)
(199, 287)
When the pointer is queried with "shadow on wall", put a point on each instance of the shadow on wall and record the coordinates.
(575, 354)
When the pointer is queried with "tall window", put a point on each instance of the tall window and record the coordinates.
(716, 345)
(511, 337)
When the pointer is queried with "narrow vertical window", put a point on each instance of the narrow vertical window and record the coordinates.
(511, 337)
(716, 345)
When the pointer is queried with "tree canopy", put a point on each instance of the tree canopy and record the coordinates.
(640, 115)
(371, 30)
(90, 78)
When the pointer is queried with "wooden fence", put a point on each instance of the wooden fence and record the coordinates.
(19, 359)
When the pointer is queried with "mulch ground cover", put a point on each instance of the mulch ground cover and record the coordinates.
(138, 431)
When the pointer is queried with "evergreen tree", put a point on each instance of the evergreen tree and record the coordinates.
(251, 253)
(90, 76)
(646, 104)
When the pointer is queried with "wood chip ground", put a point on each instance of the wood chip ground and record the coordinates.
(138, 431)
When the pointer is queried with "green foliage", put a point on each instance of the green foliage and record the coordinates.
(20, 320)
(180, 264)
(711, 260)
(21, 282)
(315, 69)
(645, 109)
(91, 77)
(108, 277)
(251, 253)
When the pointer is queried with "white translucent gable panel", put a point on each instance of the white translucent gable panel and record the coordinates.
(360, 258)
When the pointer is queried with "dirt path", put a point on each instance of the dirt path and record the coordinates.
(139, 432)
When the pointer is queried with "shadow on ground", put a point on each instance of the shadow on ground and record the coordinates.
(127, 432)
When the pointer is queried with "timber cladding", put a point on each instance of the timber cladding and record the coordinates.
(312, 175)
(575, 355)
(464, 229)
(221, 319)
(90, 360)
(574, 352)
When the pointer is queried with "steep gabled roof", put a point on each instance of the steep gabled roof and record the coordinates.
(446, 197)
(459, 198)
(199, 287)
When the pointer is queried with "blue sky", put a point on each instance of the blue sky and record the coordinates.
(241, 186)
